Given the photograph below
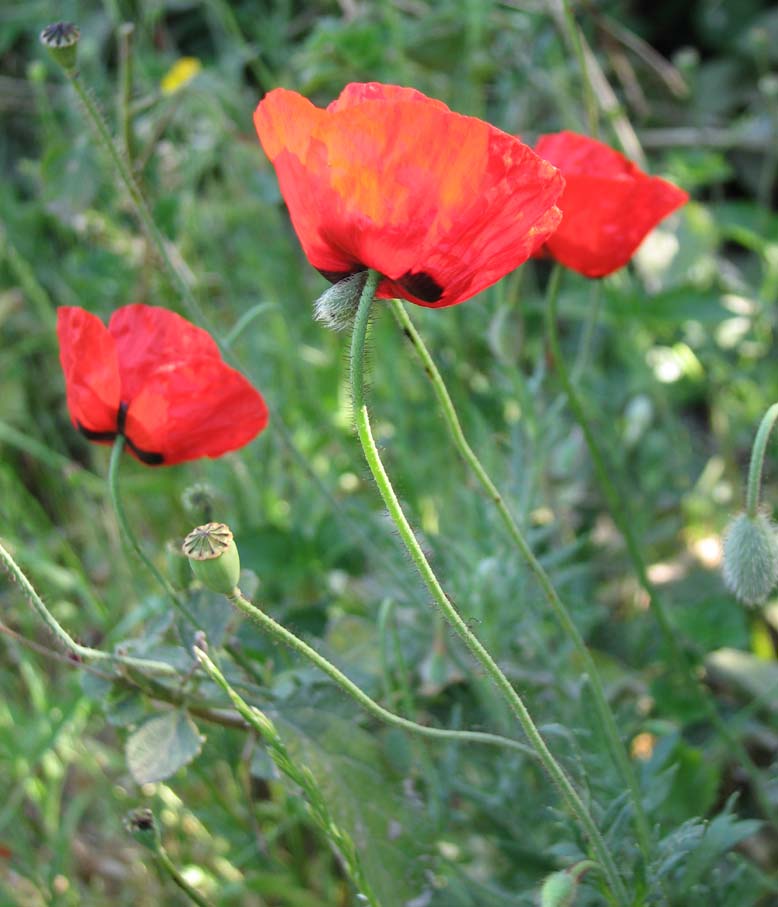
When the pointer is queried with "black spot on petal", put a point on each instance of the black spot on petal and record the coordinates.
(421, 285)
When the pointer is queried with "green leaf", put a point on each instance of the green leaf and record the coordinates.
(161, 746)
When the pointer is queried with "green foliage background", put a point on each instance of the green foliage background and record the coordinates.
(678, 366)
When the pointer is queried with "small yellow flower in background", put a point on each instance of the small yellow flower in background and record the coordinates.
(643, 746)
(180, 74)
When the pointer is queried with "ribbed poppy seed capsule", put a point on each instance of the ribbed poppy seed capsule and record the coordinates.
(61, 40)
(214, 557)
(751, 558)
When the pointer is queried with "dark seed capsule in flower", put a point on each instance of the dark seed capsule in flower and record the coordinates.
(751, 558)
(214, 558)
(61, 39)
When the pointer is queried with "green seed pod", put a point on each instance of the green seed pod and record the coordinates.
(558, 890)
(61, 40)
(751, 558)
(213, 554)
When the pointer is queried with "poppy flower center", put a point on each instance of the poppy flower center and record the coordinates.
(150, 458)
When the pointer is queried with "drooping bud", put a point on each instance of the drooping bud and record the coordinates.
(751, 558)
(140, 823)
(214, 558)
(558, 890)
(337, 306)
(61, 40)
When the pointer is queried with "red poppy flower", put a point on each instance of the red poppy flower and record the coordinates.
(608, 207)
(441, 204)
(155, 378)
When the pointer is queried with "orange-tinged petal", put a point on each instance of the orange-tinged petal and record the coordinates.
(441, 204)
(88, 356)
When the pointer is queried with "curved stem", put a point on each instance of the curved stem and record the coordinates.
(169, 867)
(279, 632)
(607, 719)
(757, 460)
(554, 770)
(64, 638)
(679, 658)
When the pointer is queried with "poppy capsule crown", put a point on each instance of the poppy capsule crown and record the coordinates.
(159, 381)
(609, 204)
(442, 205)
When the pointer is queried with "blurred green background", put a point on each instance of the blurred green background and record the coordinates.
(676, 361)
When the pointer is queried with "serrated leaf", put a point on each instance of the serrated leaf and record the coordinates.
(161, 746)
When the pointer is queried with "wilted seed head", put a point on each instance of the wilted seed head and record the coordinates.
(198, 499)
(213, 556)
(140, 823)
(750, 558)
(61, 40)
(337, 306)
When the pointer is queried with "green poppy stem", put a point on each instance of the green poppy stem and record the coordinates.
(562, 615)
(573, 800)
(616, 503)
(757, 460)
(280, 633)
(64, 638)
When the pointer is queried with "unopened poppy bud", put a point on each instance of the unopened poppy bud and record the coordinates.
(214, 558)
(61, 40)
(558, 890)
(140, 823)
(750, 558)
(337, 306)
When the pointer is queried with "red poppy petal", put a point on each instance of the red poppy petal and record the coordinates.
(425, 196)
(88, 356)
(357, 92)
(150, 338)
(284, 121)
(199, 408)
(609, 204)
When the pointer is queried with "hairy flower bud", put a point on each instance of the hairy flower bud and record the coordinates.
(214, 558)
(61, 40)
(751, 558)
(337, 306)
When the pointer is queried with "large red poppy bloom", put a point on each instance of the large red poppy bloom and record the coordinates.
(608, 206)
(155, 378)
(441, 204)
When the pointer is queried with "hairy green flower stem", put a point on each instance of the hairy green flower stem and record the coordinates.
(757, 461)
(64, 638)
(682, 665)
(298, 774)
(607, 719)
(571, 797)
(279, 632)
